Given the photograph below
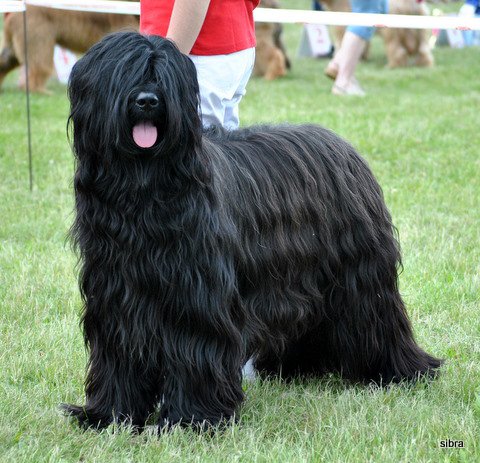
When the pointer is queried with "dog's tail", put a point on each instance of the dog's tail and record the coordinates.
(277, 38)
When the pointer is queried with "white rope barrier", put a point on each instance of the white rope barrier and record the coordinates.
(328, 18)
(97, 6)
(260, 15)
(11, 6)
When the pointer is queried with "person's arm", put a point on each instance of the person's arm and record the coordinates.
(186, 21)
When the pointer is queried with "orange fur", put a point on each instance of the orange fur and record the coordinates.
(400, 44)
(46, 27)
(271, 60)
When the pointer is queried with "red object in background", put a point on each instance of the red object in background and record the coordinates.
(228, 26)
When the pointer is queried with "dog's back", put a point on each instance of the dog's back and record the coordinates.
(310, 157)
(286, 189)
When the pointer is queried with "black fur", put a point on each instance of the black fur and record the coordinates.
(209, 248)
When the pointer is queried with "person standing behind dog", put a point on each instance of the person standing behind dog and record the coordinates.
(219, 37)
(342, 67)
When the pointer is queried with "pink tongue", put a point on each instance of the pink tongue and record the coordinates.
(145, 134)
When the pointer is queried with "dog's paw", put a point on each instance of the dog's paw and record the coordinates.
(210, 424)
(86, 417)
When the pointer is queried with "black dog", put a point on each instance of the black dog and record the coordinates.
(201, 250)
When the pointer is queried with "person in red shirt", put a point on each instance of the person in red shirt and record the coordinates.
(219, 37)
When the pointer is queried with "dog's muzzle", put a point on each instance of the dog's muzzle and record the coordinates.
(145, 133)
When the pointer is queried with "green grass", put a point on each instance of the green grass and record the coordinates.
(418, 129)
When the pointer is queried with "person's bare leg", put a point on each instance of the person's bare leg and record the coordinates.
(347, 59)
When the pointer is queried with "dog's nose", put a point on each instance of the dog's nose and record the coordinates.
(146, 101)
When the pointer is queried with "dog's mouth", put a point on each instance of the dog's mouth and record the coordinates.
(144, 134)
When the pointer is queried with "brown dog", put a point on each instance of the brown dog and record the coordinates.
(400, 44)
(271, 60)
(46, 27)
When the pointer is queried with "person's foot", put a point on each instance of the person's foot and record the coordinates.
(331, 70)
(352, 88)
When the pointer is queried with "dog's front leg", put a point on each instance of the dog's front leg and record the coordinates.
(203, 384)
(203, 353)
(120, 387)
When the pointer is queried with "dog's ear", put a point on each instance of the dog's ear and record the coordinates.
(89, 85)
(191, 99)
(81, 126)
(177, 76)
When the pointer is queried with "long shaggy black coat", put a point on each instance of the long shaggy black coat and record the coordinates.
(205, 249)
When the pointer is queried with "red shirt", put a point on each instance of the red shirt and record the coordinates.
(228, 26)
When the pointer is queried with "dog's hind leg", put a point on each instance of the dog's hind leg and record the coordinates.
(371, 335)
(8, 59)
(8, 62)
(285, 317)
(424, 56)
(310, 355)
(397, 55)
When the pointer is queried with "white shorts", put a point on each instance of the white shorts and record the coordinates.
(222, 80)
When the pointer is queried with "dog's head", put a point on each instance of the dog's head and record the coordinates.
(134, 95)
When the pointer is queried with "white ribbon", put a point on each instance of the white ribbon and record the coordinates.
(329, 18)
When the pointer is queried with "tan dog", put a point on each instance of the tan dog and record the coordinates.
(46, 27)
(271, 60)
(400, 44)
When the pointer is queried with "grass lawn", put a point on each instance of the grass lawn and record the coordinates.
(418, 129)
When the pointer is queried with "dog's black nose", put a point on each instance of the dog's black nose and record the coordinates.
(146, 101)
